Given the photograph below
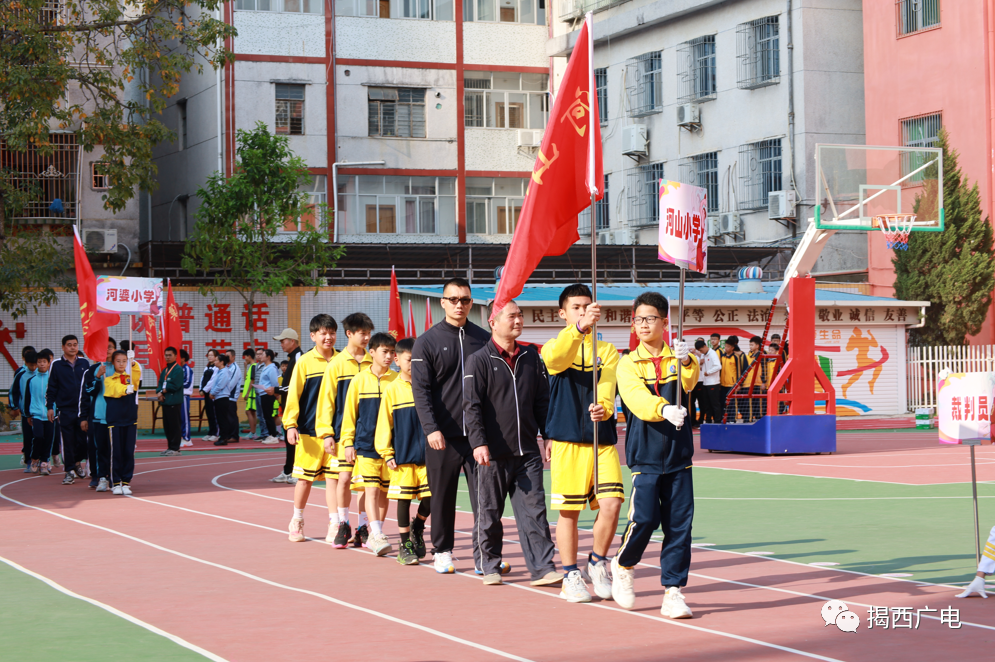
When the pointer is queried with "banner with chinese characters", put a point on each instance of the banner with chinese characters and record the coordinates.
(964, 403)
(129, 296)
(683, 225)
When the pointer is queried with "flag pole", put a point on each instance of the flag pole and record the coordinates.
(593, 187)
(680, 336)
(594, 333)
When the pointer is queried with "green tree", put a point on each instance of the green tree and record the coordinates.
(954, 270)
(237, 240)
(102, 70)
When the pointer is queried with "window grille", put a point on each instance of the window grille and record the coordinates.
(917, 15)
(644, 84)
(397, 111)
(642, 194)
(758, 53)
(703, 170)
(99, 180)
(505, 11)
(494, 205)
(601, 85)
(919, 131)
(290, 109)
(50, 180)
(696, 69)
(286, 6)
(396, 205)
(759, 172)
(505, 100)
(602, 210)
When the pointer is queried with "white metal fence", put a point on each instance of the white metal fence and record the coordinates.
(924, 363)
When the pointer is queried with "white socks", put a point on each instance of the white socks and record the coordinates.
(298, 513)
(344, 514)
(363, 519)
(333, 519)
(376, 528)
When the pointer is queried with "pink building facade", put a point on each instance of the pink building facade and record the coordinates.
(931, 63)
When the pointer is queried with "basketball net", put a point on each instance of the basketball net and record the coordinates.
(896, 229)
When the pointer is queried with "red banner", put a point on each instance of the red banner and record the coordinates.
(94, 323)
(395, 314)
(172, 331)
(156, 359)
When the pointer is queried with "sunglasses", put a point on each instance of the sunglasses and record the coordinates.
(466, 301)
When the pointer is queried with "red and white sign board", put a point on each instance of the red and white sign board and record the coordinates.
(129, 296)
(964, 403)
(683, 225)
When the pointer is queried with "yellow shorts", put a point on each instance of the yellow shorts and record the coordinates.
(370, 472)
(409, 481)
(311, 462)
(572, 473)
(340, 465)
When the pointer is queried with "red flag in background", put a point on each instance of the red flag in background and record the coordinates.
(94, 323)
(633, 338)
(172, 332)
(395, 314)
(156, 359)
(411, 321)
(567, 172)
(428, 315)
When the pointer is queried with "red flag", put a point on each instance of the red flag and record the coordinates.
(172, 332)
(395, 314)
(567, 172)
(94, 323)
(156, 359)
(411, 321)
(428, 315)
(633, 338)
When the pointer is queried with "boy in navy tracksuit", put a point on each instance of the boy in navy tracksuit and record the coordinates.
(122, 419)
(187, 394)
(658, 449)
(15, 397)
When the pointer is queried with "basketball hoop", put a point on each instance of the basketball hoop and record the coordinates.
(896, 229)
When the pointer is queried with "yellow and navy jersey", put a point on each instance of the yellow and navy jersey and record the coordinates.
(334, 387)
(648, 383)
(399, 432)
(571, 392)
(753, 367)
(769, 370)
(303, 389)
(733, 366)
(360, 410)
(121, 407)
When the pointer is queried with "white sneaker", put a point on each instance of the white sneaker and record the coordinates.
(291, 481)
(444, 563)
(673, 604)
(623, 592)
(282, 478)
(103, 485)
(269, 440)
(600, 577)
(573, 588)
(208, 437)
(117, 490)
(379, 544)
(186, 443)
(296, 529)
(126, 490)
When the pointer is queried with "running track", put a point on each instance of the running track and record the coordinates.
(200, 551)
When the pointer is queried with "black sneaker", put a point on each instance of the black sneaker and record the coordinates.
(362, 535)
(68, 480)
(418, 541)
(342, 537)
(80, 471)
(406, 554)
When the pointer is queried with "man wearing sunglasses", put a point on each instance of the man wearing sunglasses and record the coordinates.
(437, 371)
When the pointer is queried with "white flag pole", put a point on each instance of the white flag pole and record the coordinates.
(592, 186)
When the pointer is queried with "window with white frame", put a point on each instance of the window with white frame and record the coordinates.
(284, 6)
(99, 180)
(601, 85)
(642, 194)
(919, 131)
(696, 69)
(493, 205)
(396, 205)
(289, 109)
(644, 84)
(505, 100)
(917, 15)
(703, 170)
(317, 196)
(397, 112)
(602, 210)
(759, 172)
(505, 11)
(437, 10)
(758, 53)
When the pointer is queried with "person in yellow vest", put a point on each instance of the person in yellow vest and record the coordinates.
(733, 364)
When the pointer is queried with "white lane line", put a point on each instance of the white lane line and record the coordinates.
(909, 498)
(852, 480)
(889, 466)
(117, 612)
(263, 580)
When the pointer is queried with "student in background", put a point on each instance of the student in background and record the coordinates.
(187, 393)
(267, 382)
(248, 392)
(42, 429)
(210, 370)
(220, 391)
(15, 398)
(94, 406)
(710, 366)
(234, 388)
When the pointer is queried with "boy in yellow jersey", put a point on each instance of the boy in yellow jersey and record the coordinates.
(338, 375)
(401, 442)
(570, 427)
(733, 365)
(658, 450)
(760, 386)
(359, 425)
(313, 459)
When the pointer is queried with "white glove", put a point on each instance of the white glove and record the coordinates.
(130, 389)
(680, 350)
(976, 586)
(675, 414)
(131, 355)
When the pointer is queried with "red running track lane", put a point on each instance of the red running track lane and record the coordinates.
(214, 608)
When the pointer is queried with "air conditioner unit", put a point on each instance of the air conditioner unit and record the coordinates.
(714, 228)
(780, 205)
(572, 8)
(730, 222)
(604, 238)
(634, 142)
(623, 237)
(529, 137)
(100, 241)
(688, 114)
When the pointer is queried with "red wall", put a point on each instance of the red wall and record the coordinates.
(948, 69)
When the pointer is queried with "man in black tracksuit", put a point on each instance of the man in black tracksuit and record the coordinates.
(63, 397)
(506, 401)
(437, 370)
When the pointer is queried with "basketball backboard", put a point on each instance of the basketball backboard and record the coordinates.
(856, 183)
